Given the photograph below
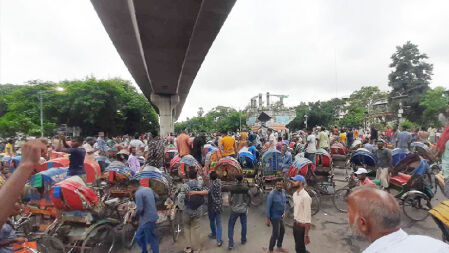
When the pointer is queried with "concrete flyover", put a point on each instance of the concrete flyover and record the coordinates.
(163, 44)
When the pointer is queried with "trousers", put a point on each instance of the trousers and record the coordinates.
(232, 219)
(298, 234)
(277, 234)
(215, 225)
(192, 231)
(382, 175)
(145, 235)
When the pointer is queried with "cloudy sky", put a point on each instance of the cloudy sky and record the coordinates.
(309, 50)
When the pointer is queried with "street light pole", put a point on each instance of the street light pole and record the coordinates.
(306, 117)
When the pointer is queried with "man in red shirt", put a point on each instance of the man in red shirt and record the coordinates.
(363, 179)
(183, 143)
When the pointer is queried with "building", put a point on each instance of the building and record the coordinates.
(273, 115)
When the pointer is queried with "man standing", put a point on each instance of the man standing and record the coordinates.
(101, 143)
(182, 142)
(133, 161)
(275, 211)
(146, 211)
(190, 205)
(77, 154)
(156, 151)
(271, 139)
(239, 202)
(198, 144)
(214, 205)
(349, 138)
(227, 146)
(89, 147)
(384, 163)
(138, 144)
(375, 215)
(286, 158)
(323, 138)
(311, 147)
(374, 135)
(302, 213)
(404, 138)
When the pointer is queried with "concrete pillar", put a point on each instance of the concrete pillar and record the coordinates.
(166, 105)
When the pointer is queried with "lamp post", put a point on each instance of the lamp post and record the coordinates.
(41, 99)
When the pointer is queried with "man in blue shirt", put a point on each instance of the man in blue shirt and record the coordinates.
(77, 154)
(286, 158)
(404, 139)
(276, 203)
(146, 211)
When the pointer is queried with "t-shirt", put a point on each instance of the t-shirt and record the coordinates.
(324, 139)
(311, 146)
(388, 132)
(228, 144)
(404, 139)
(272, 141)
(8, 149)
(182, 142)
(367, 182)
(343, 137)
(76, 158)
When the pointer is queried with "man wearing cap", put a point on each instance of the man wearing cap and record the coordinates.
(384, 163)
(302, 213)
(363, 179)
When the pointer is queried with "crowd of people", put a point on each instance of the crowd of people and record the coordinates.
(372, 212)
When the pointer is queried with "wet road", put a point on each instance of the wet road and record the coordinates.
(330, 232)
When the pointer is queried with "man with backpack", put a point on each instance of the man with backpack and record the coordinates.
(239, 202)
(190, 205)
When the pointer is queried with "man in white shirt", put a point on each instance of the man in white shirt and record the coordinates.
(311, 147)
(375, 215)
(272, 141)
(138, 144)
(323, 138)
(302, 213)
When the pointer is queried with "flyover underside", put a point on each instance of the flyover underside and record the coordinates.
(163, 44)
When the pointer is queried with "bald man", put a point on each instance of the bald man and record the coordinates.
(375, 215)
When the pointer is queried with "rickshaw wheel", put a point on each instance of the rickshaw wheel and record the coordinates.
(100, 239)
(256, 195)
(128, 233)
(316, 203)
(339, 199)
(50, 244)
(289, 215)
(416, 206)
(176, 226)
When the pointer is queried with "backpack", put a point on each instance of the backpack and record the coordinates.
(195, 201)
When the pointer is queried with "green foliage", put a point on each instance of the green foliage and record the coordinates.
(411, 76)
(112, 106)
(434, 101)
(407, 123)
(220, 118)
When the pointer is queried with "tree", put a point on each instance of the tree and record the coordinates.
(410, 77)
(434, 101)
(200, 112)
(112, 106)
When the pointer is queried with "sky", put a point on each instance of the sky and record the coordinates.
(308, 50)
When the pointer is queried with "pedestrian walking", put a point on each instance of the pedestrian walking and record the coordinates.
(384, 163)
(302, 213)
(239, 202)
(190, 199)
(147, 213)
(275, 211)
(214, 206)
(311, 147)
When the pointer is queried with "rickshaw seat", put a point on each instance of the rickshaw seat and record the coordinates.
(401, 179)
(441, 212)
